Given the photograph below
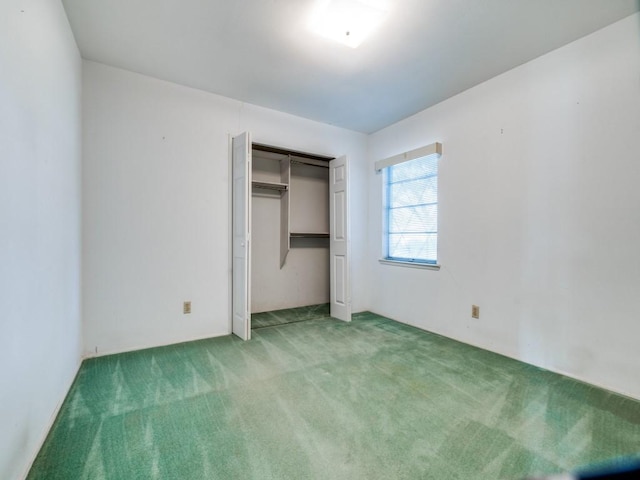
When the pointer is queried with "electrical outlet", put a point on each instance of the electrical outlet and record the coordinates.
(475, 311)
(186, 307)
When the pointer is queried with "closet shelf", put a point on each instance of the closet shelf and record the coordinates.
(308, 235)
(270, 186)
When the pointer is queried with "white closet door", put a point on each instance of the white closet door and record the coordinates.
(241, 220)
(339, 244)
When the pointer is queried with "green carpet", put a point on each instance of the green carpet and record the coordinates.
(290, 315)
(322, 399)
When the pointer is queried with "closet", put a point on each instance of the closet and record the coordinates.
(290, 235)
(289, 229)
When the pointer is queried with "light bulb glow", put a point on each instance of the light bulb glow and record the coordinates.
(348, 21)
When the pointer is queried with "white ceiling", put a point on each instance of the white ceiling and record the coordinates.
(260, 52)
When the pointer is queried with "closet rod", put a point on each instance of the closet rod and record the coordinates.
(313, 163)
(294, 153)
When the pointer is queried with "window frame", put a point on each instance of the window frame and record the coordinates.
(384, 167)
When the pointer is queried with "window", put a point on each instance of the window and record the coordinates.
(411, 211)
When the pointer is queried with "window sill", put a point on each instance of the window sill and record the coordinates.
(424, 266)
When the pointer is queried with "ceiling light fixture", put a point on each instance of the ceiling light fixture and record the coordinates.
(348, 21)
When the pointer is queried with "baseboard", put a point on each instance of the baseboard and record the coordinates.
(504, 354)
(552, 370)
(104, 353)
(51, 421)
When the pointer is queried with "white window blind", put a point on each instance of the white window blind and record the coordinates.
(411, 210)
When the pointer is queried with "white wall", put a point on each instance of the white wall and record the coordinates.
(156, 204)
(539, 213)
(39, 224)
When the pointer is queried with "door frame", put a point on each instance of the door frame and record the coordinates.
(346, 315)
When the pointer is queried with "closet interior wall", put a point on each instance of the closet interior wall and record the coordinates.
(301, 228)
